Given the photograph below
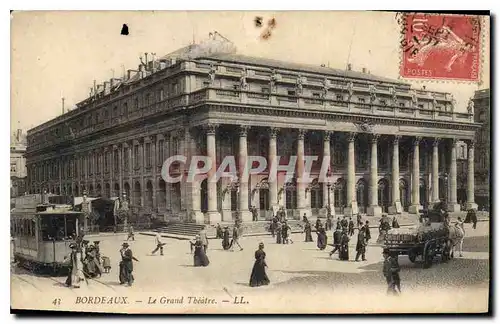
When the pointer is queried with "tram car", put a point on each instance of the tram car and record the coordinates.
(42, 232)
(432, 238)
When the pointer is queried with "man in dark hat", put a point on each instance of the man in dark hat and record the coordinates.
(361, 245)
(337, 235)
(126, 265)
(225, 239)
(236, 237)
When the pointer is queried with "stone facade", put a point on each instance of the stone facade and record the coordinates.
(389, 148)
(17, 163)
(482, 148)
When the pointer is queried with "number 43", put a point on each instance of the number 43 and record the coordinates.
(57, 301)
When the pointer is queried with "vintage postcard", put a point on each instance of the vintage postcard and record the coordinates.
(250, 162)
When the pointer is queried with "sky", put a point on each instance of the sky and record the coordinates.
(59, 54)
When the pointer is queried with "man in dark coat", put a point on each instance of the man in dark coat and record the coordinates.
(391, 273)
(337, 235)
(218, 232)
(328, 224)
(254, 214)
(236, 237)
(344, 223)
(318, 223)
(225, 239)
(274, 225)
(344, 246)
(351, 227)
(361, 245)
(368, 236)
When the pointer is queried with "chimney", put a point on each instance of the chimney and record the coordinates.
(107, 87)
(163, 65)
(364, 70)
(95, 88)
(153, 68)
(18, 135)
(349, 67)
(147, 62)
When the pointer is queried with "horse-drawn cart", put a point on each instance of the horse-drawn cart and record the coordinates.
(432, 238)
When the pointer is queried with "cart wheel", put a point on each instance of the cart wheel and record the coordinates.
(412, 255)
(428, 257)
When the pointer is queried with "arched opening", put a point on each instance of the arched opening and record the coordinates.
(404, 194)
(137, 194)
(362, 195)
(175, 202)
(116, 190)
(316, 190)
(340, 195)
(149, 194)
(263, 191)
(70, 191)
(291, 196)
(126, 186)
(204, 196)
(383, 195)
(77, 191)
(162, 194)
(423, 194)
(98, 190)
(91, 192)
(107, 190)
(58, 191)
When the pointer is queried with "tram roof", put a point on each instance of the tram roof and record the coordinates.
(58, 211)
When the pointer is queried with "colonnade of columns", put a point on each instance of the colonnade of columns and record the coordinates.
(351, 208)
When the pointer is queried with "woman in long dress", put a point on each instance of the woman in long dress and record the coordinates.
(307, 230)
(344, 246)
(321, 237)
(225, 239)
(75, 275)
(200, 259)
(279, 228)
(259, 276)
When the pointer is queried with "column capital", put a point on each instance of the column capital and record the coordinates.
(273, 132)
(374, 138)
(327, 135)
(243, 130)
(454, 141)
(396, 139)
(471, 143)
(351, 136)
(301, 133)
(436, 141)
(417, 140)
(210, 128)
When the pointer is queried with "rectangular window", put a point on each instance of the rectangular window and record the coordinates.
(421, 106)
(206, 84)
(361, 100)
(98, 163)
(136, 156)
(264, 90)
(236, 87)
(125, 109)
(162, 94)
(12, 168)
(401, 104)
(106, 161)
(161, 143)
(439, 107)
(316, 95)
(382, 102)
(147, 100)
(126, 158)
(338, 97)
(115, 111)
(175, 88)
(291, 92)
(175, 146)
(148, 155)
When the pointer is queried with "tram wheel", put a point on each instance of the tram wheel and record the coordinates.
(428, 257)
(412, 255)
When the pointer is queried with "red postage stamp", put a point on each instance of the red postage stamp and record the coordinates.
(440, 46)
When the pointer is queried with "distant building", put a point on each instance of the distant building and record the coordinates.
(17, 163)
(482, 148)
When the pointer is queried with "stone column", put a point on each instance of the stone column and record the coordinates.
(213, 214)
(396, 207)
(453, 206)
(415, 184)
(244, 213)
(272, 166)
(301, 185)
(470, 177)
(435, 170)
(374, 209)
(153, 172)
(327, 160)
(192, 203)
(351, 203)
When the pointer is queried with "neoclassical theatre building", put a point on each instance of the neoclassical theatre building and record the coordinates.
(392, 148)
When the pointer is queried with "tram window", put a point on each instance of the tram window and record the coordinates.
(71, 226)
(53, 228)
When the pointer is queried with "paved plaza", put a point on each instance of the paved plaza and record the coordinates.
(295, 270)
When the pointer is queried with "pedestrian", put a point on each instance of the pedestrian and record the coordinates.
(391, 272)
(127, 265)
(274, 225)
(258, 277)
(200, 258)
(236, 236)
(130, 233)
(368, 235)
(285, 233)
(255, 214)
(97, 252)
(278, 232)
(225, 239)
(344, 246)
(359, 221)
(328, 224)
(361, 245)
(351, 227)
(337, 235)
(395, 223)
(159, 244)
(218, 232)
(204, 238)
(91, 268)
(344, 223)
(304, 218)
(318, 223)
(473, 217)
(322, 238)
(307, 231)
(75, 275)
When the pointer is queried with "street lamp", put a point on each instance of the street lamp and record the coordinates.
(447, 189)
(329, 212)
